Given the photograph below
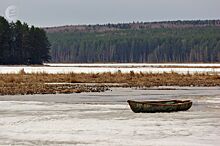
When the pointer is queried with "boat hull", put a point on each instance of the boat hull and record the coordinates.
(159, 106)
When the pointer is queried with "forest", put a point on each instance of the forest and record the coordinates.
(21, 44)
(158, 42)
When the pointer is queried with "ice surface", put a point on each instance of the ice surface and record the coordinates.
(124, 68)
(105, 119)
(135, 64)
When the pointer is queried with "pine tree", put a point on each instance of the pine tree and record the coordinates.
(20, 44)
(4, 40)
(40, 46)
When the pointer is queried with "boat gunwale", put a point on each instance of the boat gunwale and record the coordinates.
(178, 102)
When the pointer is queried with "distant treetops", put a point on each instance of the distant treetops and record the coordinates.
(21, 44)
(158, 42)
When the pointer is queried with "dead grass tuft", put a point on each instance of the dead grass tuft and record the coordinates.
(22, 72)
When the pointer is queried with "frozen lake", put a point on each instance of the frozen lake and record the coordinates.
(105, 119)
(123, 67)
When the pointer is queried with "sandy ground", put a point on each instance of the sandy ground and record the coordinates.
(105, 119)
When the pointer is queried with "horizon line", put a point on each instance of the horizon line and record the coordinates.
(129, 22)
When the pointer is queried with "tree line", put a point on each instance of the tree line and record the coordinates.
(21, 44)
(182, 44)
(134, 26)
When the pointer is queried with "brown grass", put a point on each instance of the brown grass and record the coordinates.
(22, 83)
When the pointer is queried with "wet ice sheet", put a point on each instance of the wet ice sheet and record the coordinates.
(72, 122)
(121, 95)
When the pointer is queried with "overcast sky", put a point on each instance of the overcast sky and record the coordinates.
(65, 12)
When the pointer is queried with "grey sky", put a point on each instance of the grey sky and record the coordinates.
(65, 12)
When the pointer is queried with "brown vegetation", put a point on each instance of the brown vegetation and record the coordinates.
(42, 83)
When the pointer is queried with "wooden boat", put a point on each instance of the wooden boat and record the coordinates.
(159, 106)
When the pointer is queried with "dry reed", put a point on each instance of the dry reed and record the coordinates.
(37, 83)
